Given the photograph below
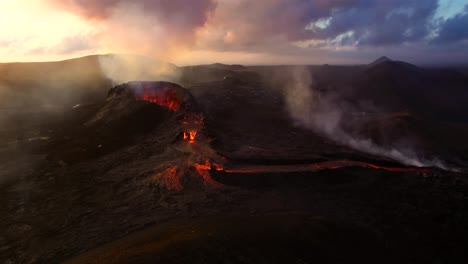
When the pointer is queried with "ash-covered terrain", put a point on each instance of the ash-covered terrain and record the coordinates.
(233, 164)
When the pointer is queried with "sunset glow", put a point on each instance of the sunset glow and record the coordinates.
(233, 31)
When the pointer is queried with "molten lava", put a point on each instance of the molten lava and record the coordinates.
(191, 123)
(190, 136)
(203, 170)
(192, 119)
(166, 97)
(348, 163)
(330, 165)
(218, 167)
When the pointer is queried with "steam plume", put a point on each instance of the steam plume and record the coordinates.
(325, 114)
(124, 68)
(158, 28)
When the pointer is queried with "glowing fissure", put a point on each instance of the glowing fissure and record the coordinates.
(348, 163)
(190, 136)
(166, 97)
(191, 124)
(337, 164)
(203, 170)
(202, 154)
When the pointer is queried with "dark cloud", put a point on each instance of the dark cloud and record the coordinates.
(453, 29)
(179, 15)
(357, 22)
(287, 28)
(378, 23)
(254, 23)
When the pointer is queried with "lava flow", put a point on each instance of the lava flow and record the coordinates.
(165, 95)
(190, 136)
(204, 170)
(349, 163)
(330, 165)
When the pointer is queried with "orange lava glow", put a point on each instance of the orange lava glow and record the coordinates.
(165, 97)
(203, 170)
(347, 163)
(192, 119)
(191, 123)
(190, 136)
(218, 167)
(336, 164)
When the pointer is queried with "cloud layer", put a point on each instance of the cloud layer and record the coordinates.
(275, 31)
(152, 27)
(246, 24)
(454, 29)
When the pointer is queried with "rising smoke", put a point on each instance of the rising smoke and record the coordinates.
(125, 68)
(327, 114)
(159, 31)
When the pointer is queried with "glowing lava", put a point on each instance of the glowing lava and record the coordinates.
(335, 164)
(190, 136)
(348, 163)
(203, 170)
(166, 97)
(191, 123)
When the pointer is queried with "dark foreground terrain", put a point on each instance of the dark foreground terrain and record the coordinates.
(116, 181)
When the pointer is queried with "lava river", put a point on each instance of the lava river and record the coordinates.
(317, 166)
(202, 159)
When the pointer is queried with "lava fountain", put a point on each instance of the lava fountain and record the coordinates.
(179, 100)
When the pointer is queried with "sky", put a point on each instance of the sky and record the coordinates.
(237, 31)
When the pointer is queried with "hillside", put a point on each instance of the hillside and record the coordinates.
(67, 82)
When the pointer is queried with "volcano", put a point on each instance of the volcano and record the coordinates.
(212, 167)
(165, 94)
(180, 106)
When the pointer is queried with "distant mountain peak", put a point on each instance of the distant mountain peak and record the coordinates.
(232, 67)
(380, 60)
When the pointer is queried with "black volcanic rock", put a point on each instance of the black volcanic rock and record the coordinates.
(400, 86)
(138, 88)
(232, 67)
(120, 121)
(122, 110)
(100, 186)
(378, 61)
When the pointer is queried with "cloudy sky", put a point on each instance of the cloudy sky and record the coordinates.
(237, 31)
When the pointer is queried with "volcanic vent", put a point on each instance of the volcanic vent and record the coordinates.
(193, 161)
(199, 158)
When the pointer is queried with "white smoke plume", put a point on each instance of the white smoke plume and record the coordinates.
(325, 114)
(125, 68)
